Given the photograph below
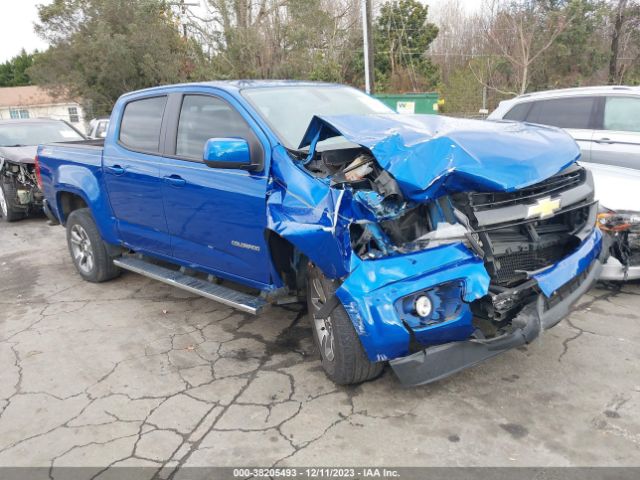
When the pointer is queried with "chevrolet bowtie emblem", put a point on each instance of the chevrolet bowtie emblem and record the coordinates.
(545, 207)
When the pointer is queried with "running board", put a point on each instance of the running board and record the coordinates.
(242, 301)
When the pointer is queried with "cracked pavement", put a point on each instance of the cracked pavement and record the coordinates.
(136, 373)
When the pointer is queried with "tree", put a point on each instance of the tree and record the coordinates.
(13, 73)
(312, 39)
(625, 38)
(618, 23)
(402, 36)
(103, 48)
(579, 54)
(521, 31)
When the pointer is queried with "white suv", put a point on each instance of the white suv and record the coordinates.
(605, 122)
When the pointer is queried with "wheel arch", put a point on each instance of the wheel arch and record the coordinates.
(288, 262)
(68, 201)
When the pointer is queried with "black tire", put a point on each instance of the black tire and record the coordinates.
(84, 240)
(12, 212)
(348, 363)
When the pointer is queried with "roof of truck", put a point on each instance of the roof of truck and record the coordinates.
(237, 85)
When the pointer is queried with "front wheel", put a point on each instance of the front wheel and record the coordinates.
(343, 358)
(87, 249)
(8, 196)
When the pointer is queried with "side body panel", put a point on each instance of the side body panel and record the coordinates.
(216, 217)
(77, 170)
(621, 149)
(135, 192)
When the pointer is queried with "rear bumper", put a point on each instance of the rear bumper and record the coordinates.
(437, 362)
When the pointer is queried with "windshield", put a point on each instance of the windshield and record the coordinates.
(27, 134)
(289, 110)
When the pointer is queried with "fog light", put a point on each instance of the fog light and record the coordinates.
(422, 306)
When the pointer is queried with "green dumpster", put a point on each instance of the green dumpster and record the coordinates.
(410, 102)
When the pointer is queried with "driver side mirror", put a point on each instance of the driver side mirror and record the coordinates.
(228, 153)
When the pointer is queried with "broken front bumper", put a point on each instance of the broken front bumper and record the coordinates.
(435, 363)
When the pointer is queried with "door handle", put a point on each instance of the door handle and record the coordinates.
(604, 140)
(175, 180)
(116, 169)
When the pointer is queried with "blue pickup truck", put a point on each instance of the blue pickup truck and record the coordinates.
(428, 242)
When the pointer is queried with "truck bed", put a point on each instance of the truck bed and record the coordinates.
(89, 143)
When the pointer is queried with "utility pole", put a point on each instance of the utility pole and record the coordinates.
(183, 13)
(367, 40)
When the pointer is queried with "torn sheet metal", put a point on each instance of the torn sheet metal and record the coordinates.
(429, 155)
(571, 266)
(311, 215)
(370, 293)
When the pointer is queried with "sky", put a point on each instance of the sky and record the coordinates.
(18, 16)
(16, 27)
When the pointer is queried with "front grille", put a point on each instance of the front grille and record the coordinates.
(515, 247)
(480, 201)
(511, 267)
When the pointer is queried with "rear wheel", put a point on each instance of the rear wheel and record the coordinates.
(87, 249)
(8, 196)
(343, 358)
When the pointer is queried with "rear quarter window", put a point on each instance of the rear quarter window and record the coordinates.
(141, 122)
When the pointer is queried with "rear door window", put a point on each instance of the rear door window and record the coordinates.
(622, 113)
(141, 122)
(575, 112)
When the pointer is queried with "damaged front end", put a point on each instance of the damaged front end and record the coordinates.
(21, 177)
(449, 248)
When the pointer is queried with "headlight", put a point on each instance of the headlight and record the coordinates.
(618, 222)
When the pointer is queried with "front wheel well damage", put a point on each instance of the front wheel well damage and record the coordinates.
(289, 263)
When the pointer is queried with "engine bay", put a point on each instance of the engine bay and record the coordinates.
(22, 177)
(395, 225)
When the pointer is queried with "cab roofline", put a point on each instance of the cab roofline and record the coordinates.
(235, 85)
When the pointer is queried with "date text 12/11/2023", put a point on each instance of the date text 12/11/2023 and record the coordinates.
(319, 472)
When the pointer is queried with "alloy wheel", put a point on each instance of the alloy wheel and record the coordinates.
(322, 326)
(82, 249)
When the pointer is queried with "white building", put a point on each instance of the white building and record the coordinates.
(34, 102)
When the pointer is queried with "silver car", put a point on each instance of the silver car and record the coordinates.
(605, 122)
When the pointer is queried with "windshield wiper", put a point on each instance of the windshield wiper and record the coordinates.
(16, 145)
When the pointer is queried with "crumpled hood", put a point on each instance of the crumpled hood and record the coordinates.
(430, 153)
(19, 154)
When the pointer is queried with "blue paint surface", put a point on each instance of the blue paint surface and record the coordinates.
(571, 266)
(429, 155)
